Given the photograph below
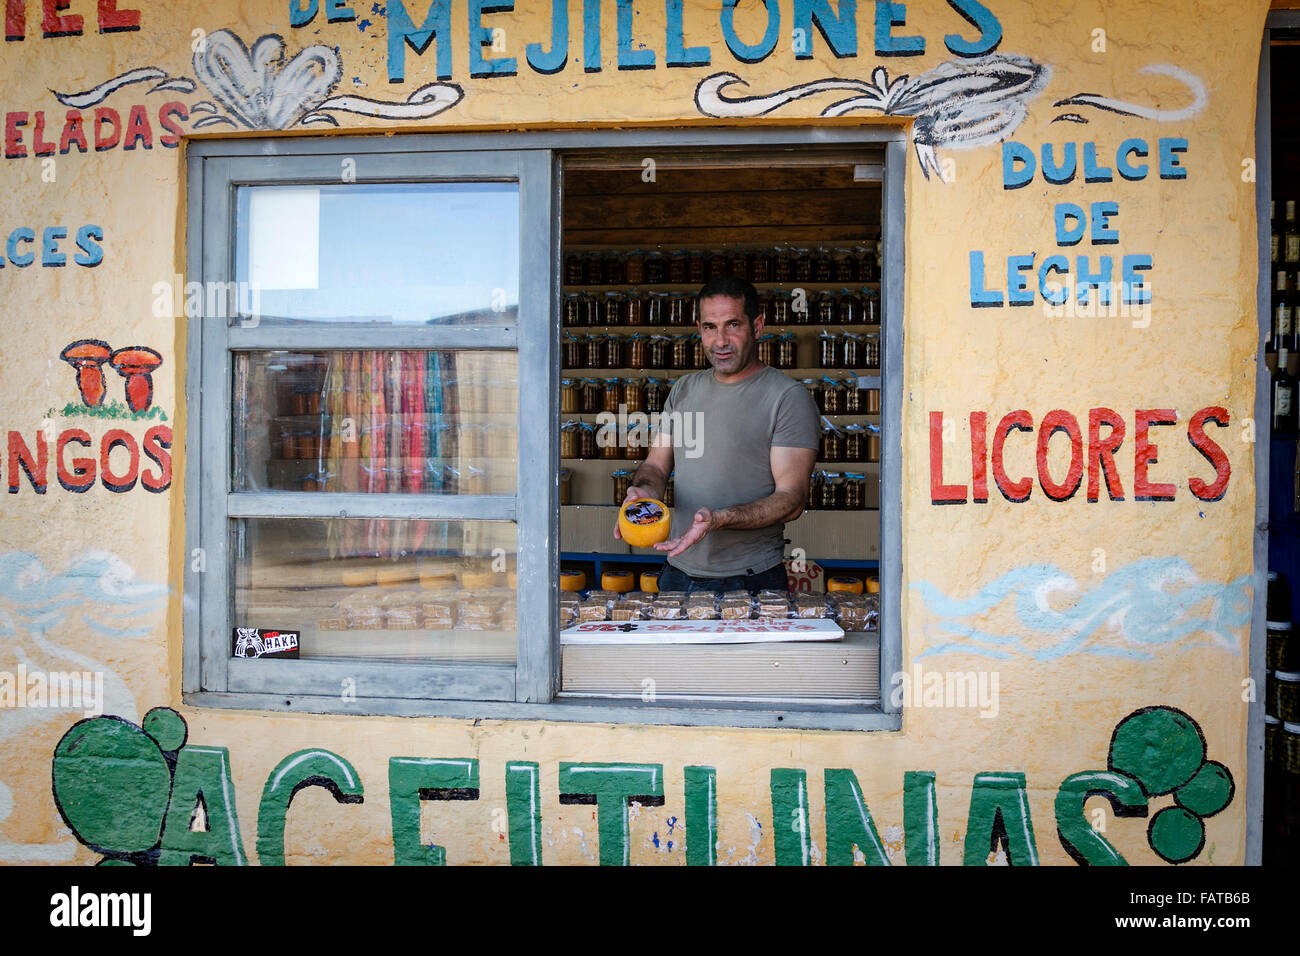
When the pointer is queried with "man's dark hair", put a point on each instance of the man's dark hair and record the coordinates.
(732, 288)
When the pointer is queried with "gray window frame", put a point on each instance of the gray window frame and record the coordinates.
(528, 690)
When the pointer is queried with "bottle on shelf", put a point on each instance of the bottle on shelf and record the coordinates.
(1283, 314)
(1277, 236)
(1283, 396)
(1291, 237)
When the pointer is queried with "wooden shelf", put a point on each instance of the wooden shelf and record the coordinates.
(863, 327)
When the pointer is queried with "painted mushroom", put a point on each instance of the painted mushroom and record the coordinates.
(87, 356)
(136, 364)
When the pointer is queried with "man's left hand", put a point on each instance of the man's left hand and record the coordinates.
(705, 521)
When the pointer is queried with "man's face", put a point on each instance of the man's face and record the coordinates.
(730, 339)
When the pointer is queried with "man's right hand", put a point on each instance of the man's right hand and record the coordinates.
(633, 493)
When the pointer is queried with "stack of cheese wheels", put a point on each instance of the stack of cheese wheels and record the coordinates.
(845, 585)
(644, 522)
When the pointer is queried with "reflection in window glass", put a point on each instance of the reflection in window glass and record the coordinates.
(407, 422)
(380, 588)
(427, 253)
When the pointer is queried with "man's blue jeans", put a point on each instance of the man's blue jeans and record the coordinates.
(674, 579)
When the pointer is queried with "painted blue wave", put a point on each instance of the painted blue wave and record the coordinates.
(1153, 600)
(99, 584)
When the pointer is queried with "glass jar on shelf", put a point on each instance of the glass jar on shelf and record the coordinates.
(787, 351)
(570, 399)
(589, 309)
(674, 310)
(593, 269)
(616, 268)
(767, 349)
(870, 307)
(829, 492)
(633, 394)
(832, 396)
(696, 266)
(803, 265)
(573, 271)
(573, 353)
(656, 309)
(611, 352)
(681, 352)
(781, 308)
(852, 353)
(698, 358)
(610, 442)
(656, 392)
(830, 350)
(717, 264)
(852, 396)
(832, 444)
(615, 308)
(846, 266)
(823, 265)
(572, 309)
(873, 442)
(634, 308)
(611, 395)
(827, 311)
(855, 492)
(739, 264)
(586, 440)
(638, 352)
(855, 443)
(815, 490)
(783, 264)
(760, 266)
(592, 395)
(656, 268)
(636, 442)
(660, 351)
(634, 267)
(679, 265)
(622, 482)
(569, 439)
(872, 357)
(849, 308)
(866, 263)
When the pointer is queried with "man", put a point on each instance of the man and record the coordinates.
(747, 472)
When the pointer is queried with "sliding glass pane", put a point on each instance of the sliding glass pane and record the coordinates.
(396, 253)
(408, 422)
(379, 589)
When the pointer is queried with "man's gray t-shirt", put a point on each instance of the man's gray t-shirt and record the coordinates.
(723, 434)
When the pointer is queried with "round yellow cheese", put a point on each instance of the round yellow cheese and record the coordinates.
(644, 522)
(620, 581)
(650, 582)
(845, 584)
(573, 581)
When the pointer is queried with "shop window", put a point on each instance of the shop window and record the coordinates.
(373, 481)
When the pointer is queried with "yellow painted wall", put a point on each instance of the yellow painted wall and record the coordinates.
(1058, 703)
